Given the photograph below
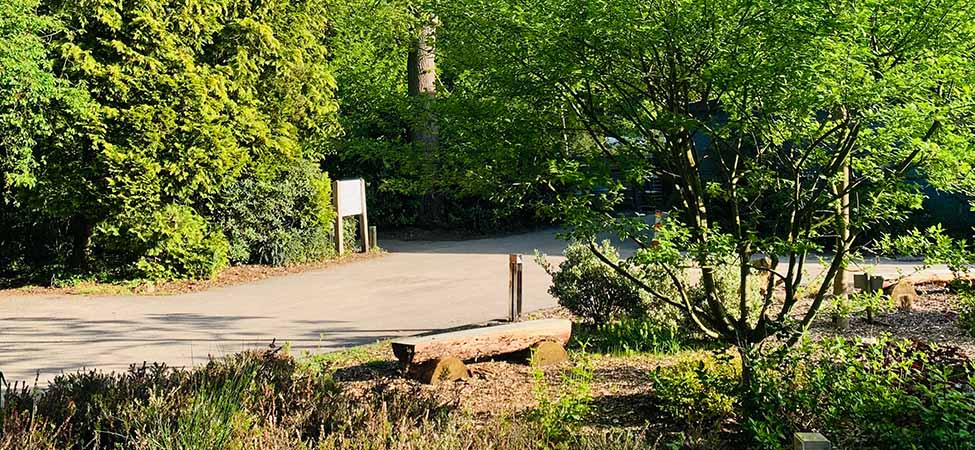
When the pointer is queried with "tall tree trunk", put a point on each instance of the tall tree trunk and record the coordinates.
(842, 225)
(81, 229)
(422, 76)
(6, 234)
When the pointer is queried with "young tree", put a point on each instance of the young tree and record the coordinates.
(751, 109)
(36, 108)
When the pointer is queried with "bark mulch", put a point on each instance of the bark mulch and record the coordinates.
(620, 385)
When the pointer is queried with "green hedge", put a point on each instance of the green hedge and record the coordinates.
(192, 127)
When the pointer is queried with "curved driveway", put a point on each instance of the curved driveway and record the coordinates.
(417, 287)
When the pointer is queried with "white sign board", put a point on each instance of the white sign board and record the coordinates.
(350, 198)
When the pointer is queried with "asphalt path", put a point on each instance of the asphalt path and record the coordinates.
(417, 287)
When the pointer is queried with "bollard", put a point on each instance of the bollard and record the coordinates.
(810, 441)
(516, 266)
(372, 237)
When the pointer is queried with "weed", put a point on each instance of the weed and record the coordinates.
(559, 417)
(631, 336)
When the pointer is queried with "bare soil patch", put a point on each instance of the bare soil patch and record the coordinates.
(620, 386)
(932, 318)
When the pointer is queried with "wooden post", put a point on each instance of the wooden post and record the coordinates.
(658, 222)
(363, 220)
(810, 441)
(372, 237)
(515, 267)
(868, 283)
(339, 241)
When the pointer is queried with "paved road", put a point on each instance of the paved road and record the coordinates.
(418, 287)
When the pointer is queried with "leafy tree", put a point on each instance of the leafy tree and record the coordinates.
(34, 107)
(751, 110)
(494, 140)
(186, 98)
(27, 84)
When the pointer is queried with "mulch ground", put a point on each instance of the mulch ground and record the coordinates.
(620, 386)
(503, 388)
(932, 319)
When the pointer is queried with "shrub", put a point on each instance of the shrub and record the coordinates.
(966, 309)
(280, 221)
(182, 245)
(871, 303)
(173, 242)
(699, 396)
(143, 115)
(590, 289)
(886, 395)
(557, 417)
(152, 407)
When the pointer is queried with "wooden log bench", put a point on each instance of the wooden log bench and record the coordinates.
(440, 357)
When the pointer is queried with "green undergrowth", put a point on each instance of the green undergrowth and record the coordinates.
(268, 400)
(889, 394)
(628, 337)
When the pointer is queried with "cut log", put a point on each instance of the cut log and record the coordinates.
(439, 370)
(547, 353)
(903, 294)
(482, 342)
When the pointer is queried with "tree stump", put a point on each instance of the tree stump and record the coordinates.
(547, 353)
(439, 370)
(903, 294)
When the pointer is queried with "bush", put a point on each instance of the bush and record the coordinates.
(280, 221)
(887, 395)
(966, 309)
(143, 119)
(174, 242)
(700, 396)
(590, 289)
(871, 303)
(557, 418)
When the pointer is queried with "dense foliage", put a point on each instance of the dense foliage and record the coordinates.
(769, 119)
(179, 104)
(495, 140)
(913, 395)
(884, 395)
(590, 289)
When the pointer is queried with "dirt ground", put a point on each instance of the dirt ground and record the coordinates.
(932, 318)
(620, 385)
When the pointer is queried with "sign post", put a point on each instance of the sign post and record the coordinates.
(349, 199)
(516, 266)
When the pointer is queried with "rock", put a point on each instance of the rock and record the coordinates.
(841, 323)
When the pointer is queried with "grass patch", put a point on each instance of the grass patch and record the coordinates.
(364, 354)
(629, 337)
